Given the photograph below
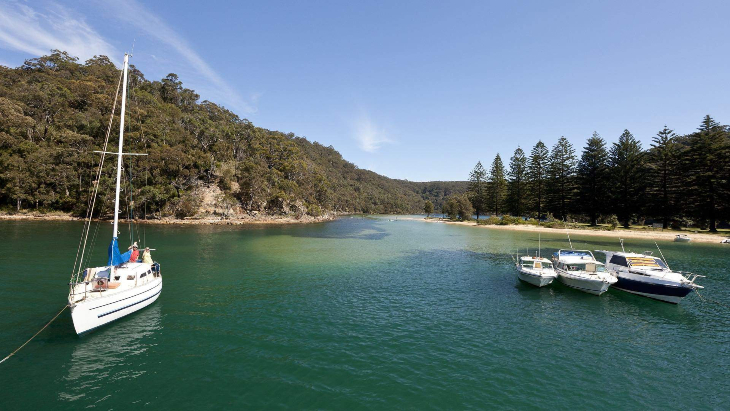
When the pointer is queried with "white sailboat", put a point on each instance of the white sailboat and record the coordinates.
(100, 295)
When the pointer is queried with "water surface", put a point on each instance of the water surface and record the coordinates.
(362, 314)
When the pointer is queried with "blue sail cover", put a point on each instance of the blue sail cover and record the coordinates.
(115, 258)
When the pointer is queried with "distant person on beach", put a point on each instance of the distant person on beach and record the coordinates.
(135, 253)
(147, 256)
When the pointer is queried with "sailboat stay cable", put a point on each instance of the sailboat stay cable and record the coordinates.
(89, 212)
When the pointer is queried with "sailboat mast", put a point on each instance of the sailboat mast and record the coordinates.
(119, 154)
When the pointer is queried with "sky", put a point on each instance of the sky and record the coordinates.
(414, 90)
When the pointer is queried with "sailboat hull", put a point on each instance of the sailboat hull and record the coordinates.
(90, 314)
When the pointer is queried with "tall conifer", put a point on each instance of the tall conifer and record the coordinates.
(477, 188)
(517, 185)
(593, 177)
(707, 169)
(627, 163)
(561, 171)
(537, 176)
(664, 173)
(497, 184)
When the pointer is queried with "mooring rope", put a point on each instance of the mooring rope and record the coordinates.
(706, 299)
(34, 335)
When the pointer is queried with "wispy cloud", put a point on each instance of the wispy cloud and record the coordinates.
(135, 14)
(28, 30)
(369, 137)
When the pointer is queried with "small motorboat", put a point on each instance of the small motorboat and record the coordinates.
(649, 276)
(682, 238)
(537, 271)
(725, 241)
(579, 269)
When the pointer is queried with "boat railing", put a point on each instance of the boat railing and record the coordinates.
(691, 277)
(73, 290)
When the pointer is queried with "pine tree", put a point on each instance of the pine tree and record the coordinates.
(707, 169)
(477, 188)
(561, 171)
(664, 173)
(628, 169)
(593, 177)
(497, 184)
(537, 175)
(517, 185)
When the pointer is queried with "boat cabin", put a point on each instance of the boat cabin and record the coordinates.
(626, 261)
(535, 263)
(577, 260)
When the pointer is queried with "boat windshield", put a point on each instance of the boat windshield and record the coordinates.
(589, 267)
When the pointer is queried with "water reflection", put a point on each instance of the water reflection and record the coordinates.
(111, 353)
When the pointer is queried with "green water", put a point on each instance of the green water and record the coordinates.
(358, 314)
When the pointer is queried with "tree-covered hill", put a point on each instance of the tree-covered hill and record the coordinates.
(54, 113)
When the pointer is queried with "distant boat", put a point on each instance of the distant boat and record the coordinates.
(725, 241)
(649, 276)
(100, 295)
(537, 271)
(682, 238)
(579, 269)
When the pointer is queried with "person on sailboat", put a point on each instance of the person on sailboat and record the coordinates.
(135, 253)
(147, 256)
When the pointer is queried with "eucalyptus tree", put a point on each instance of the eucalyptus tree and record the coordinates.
(628, 176)
(517, 184)
(561, 174)
(664, 173)
(592, 177)
(497, 184)
(428, 208)
(477, 188)
(537, 175)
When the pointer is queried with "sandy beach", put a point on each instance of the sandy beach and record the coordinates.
(648, 234)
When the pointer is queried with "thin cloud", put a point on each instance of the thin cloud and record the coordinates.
(138, 16)
(25, 29)
(369, 137)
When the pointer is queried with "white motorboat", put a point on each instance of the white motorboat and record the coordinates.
(725, 241)
(100, 295)
(682, 238)
(537, 271)
(579, 269)
(650, 276)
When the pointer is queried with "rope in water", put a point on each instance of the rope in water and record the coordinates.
(705, 299)
(34, 335)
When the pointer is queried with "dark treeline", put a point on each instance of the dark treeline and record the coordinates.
(680, 181)
(54, 113)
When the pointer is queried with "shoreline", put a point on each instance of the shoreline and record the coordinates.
(247, 220)
(666, 235)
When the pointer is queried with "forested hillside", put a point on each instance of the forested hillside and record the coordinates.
(54, 113)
